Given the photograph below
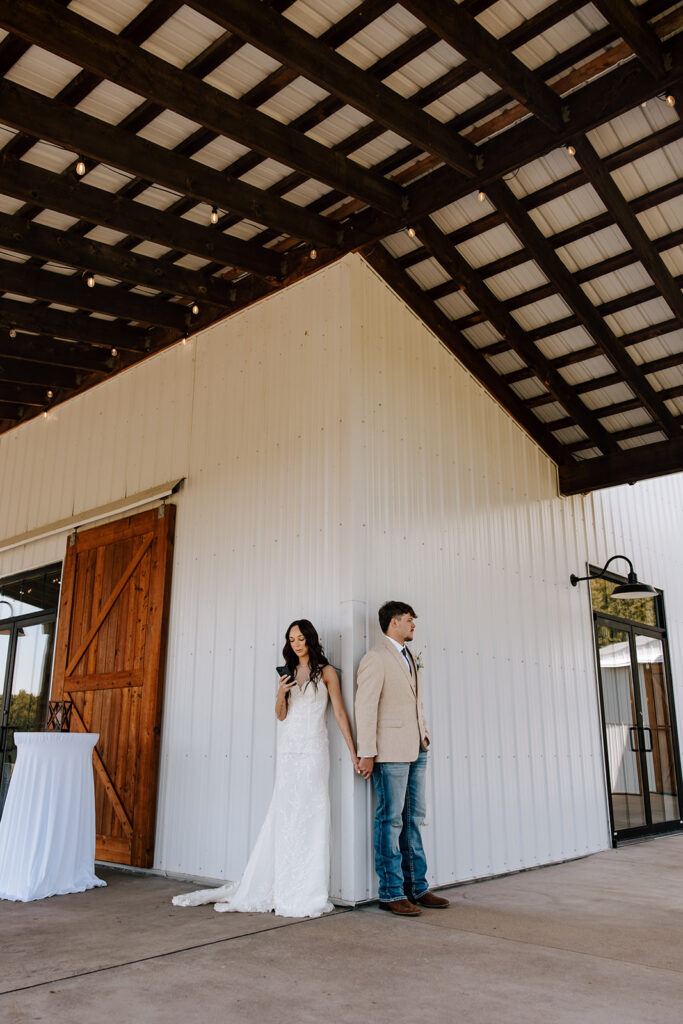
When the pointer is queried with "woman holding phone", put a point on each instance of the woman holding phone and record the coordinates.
(288, 870)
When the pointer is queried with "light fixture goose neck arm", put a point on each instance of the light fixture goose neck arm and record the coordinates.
(632, 578)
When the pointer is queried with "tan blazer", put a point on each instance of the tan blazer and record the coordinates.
(390, 722)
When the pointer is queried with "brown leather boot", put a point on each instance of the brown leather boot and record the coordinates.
(432, 901)
(404, 908)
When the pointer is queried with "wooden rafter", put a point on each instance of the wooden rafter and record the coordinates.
(72, 326)
(636, 31)
(626, 467)
(48, 244)
(546, 257)
(466, 278)
(624, 217)
(109, 144)
(285, 41)
(79, 40)
(73, 291)
(458, 28)
(593, 104)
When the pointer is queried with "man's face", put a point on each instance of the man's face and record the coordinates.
(404, 626)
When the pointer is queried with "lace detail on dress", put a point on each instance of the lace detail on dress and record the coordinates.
(288, 870)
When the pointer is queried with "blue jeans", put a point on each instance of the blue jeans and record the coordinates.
(400, 860)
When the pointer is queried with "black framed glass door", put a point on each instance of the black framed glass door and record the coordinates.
(639, 728)
(28, 614)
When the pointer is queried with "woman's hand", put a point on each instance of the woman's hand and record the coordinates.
(356, 763)
(284, 686)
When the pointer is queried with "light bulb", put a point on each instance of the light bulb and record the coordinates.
(670, 100)
(214, 216)
(481, 196)
(90, 280)
(195, 310)
(313, 254)
(80, 168)
(571, 150)
(12, 333)
(114, 351)
(50, 394)
(411, 232)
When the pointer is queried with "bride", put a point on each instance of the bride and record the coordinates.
(288, 870)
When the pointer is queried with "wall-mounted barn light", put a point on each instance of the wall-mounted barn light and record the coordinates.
(624, 591)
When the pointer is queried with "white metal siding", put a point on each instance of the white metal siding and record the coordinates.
(457, 512)
(336, 455)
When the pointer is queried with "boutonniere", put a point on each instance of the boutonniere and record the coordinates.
(418, 661)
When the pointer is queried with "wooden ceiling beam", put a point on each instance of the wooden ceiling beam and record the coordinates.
(73, 197)
(431, 316)
(86, 44)
(627, 467)
(72, 290)
(572, 293)
(636, 31)
(24, 371)
(582, 355)
(625, 219)
(27, 316)
(319, 63)
(625, 87)
(25, 394)
(48, 244)
(464, 33)
(467, 279)
(53, 352)
(88, 136)
(585, 274)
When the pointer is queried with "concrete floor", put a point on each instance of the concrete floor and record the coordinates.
(599, 939)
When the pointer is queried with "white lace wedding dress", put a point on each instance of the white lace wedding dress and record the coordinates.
(288, 870)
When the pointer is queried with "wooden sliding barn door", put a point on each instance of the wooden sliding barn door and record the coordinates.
(109, 660)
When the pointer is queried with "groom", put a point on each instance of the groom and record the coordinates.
(392, 745)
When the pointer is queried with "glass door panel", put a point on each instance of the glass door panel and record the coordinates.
(621, 728)
(26, 689)
(656, 736)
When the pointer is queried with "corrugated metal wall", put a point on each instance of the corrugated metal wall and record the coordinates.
(456, 511)
(336, 455)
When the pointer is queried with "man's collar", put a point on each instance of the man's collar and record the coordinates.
(397, 645)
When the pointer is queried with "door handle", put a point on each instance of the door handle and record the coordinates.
(644, 729)
(633, 731)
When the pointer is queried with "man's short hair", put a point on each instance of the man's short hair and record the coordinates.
(393, 610)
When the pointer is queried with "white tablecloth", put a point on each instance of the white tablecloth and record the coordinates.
(47, 830)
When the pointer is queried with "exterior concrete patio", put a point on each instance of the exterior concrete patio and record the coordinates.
(597, 939)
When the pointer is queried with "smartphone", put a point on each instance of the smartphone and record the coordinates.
(282, 670)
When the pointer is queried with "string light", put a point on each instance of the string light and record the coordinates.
(12, 333)
(411, 232)
(114, 352)
(80, 168)
(89, 279)
(195, 310)
(481, 196)
(670, 100)
(50, 394)
(571, 150)
(214, 216)
(313, 254)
